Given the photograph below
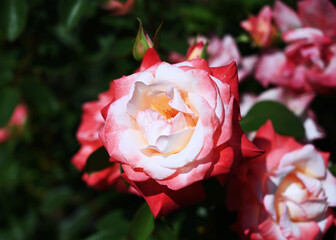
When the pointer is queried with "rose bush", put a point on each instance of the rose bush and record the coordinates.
(171, 126)
(286, 194)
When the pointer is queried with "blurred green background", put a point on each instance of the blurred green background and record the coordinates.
(56, 55)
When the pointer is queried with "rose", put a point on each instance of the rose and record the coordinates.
(297, 103)
(318, 14)
(308, 63)
(16, 121)
(87, 135)
(171, 126)
(260, 27)
(286, 194)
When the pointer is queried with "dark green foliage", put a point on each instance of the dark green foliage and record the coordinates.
(9, 100)
(70, 12)
(143, 223)
(13, 17)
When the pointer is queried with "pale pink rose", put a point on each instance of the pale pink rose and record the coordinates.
(308, 61)
(172, 126)
(297, 103)
(261, 28)
(118, 8)
(274, 68)
(17, 121)
(285, 194)
(303, 66)
(318, 14)
(221, 52)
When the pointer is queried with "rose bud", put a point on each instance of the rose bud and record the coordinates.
(142, 43)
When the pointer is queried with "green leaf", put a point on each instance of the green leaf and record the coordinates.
(71, 11)
(114, 218)
(97, 161)
(111, 226)
(142, 224)
(165, 230)
(8, 101)
(71, 227)
(55, 199)
(39, 96)
(8, 64)
(284, 121)
(332, 168)
(13, 17)
(106, 235)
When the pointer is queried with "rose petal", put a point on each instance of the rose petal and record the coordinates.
(151, 58)
(223, 52)
(177, 102)
(163, 200)
(307, 160)
(268, 228)
(318, 14)
(174, 75)
(329, 186)
(116, 123)
(284, 17)
(288, 228)
(307, 210)
(228, 74)
(153, 125)
(188, 154)
(130, 146)
(173, 143)
(306, 33)
(313, 185)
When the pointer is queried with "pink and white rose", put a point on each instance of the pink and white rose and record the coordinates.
(172, 126)
(286, 193)
(308, 63)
